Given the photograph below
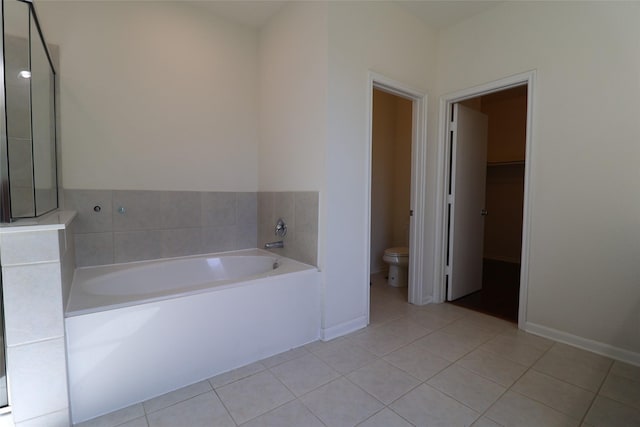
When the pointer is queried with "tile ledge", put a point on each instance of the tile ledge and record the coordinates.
(57, 220)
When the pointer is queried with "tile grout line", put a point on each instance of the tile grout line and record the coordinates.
(597, 393)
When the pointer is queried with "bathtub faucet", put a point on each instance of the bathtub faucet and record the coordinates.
(271, 245)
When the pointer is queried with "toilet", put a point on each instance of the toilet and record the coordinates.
(398, 260)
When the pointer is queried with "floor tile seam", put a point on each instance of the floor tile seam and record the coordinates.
(481, 376)
(499, 356)
(599, 393)
(214, 387)
(177, 402)
(275, 409)
(507, 389)
(420, 379)
(369, 394)
(612, 374)
(466, 405)
(308, 391)
(284, 361)
(584, 362)
(420, 383)
(580, 420)
(215, 392)
(388, 407)
(479, 413)
(546, 374)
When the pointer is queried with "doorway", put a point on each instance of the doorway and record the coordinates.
(483, 258)
(414, 212)
(501, 215)
(390, 188)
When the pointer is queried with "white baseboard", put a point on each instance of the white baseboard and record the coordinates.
(584, 343)
(327, 334)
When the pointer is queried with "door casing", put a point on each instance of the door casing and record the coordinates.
(440, 242)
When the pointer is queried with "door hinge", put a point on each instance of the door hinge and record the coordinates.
(453, 126)
(411, 212)
(450, 198)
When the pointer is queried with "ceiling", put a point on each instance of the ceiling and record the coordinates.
(435, 13)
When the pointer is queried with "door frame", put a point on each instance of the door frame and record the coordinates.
(417, 244)
(441, 223)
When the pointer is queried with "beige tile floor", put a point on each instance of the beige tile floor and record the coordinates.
(437, 365)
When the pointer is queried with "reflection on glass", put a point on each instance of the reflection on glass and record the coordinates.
(42, 125)
(18, 104)
(30, 109)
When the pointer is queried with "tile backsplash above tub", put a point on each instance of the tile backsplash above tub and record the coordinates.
(114, 226)
(123, 226)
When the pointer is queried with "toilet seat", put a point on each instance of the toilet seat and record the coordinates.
(399, 251)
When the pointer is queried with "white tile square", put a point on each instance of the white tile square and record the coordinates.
(29, 247)
(252, 396)
(202, 410)
(426, 406)
(341, 403)
(559, 395)
(491, 366)
(466, 387)
(383, 381)
(33, 303)
(38, 378)
(293, 413)
(415, 360)
(303, 374)
(514, 409)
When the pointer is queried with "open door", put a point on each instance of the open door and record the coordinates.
(468, 179)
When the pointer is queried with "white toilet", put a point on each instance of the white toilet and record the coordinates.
(398, 260)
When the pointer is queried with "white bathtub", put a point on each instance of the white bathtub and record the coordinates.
(139, 330)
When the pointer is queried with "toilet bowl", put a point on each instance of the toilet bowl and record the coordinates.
(398, 260)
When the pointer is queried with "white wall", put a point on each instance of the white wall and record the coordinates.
(584, 269)
(363, 36)
(154, 96)
(293, 98)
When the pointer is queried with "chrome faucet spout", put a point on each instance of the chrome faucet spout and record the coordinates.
(271, 245)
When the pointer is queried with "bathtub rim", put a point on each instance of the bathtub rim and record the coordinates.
(287, 266)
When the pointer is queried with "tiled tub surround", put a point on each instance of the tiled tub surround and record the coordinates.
(37, 269)
(160, 224)
(162, 341)
(299, 210)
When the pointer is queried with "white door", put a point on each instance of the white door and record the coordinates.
(468, 175)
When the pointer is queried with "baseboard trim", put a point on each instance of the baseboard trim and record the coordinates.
(584, 343)
(327, 334)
